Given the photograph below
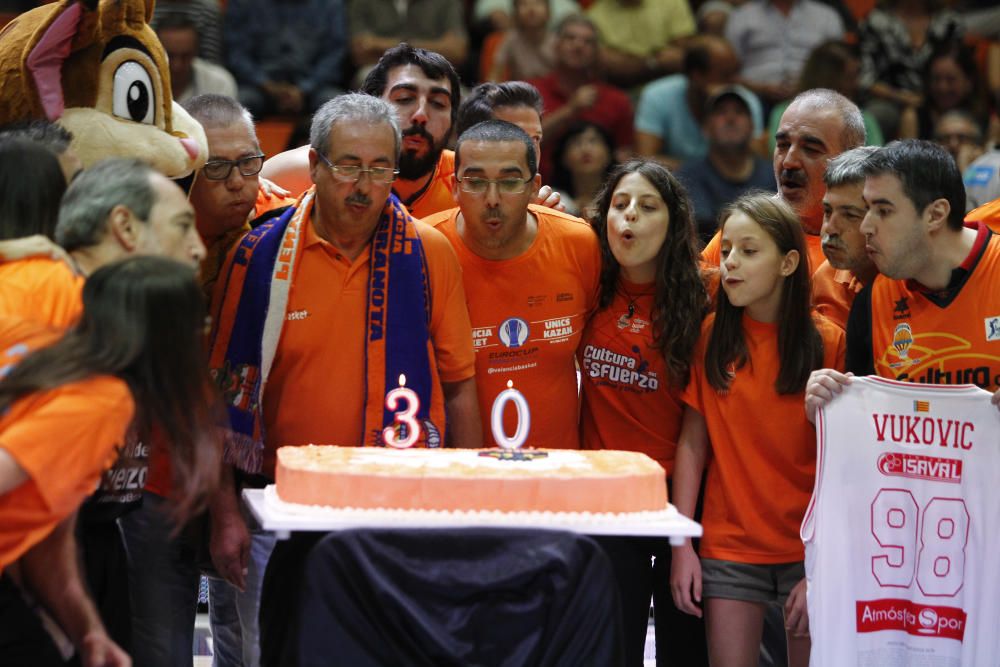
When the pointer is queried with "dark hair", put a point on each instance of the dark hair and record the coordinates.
(927, 172)
(142, 322)
(562, 177)
(51, 135)
(576, 18)
(496, 131)
(825, 64)
(965, 58)
(699, 52)
(800, 346)
(32, 183)
(680, 300)
(433, 65)
(481, 104)
(175, 21)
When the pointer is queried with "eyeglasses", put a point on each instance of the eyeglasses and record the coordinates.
(351, 173)
(505, 186)
(219, 170)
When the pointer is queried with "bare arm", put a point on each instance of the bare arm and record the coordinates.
(461, 405)
(51, 573)
(689, 464)
(229, 540)
(32, 246)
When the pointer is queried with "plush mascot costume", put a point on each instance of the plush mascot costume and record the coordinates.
(98, 69)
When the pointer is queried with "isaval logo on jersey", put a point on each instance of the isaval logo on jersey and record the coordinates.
(915, 466)
(992, 327)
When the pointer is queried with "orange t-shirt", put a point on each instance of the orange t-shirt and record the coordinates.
(528, 315)
(712, 254)
(41, 290)
(988, 214)
(316, 390)
(62, 438)
(763, 464)
(833, 292)
(437, 197)
(627, 402)
(915, 338)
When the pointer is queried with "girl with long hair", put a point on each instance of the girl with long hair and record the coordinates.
(635, 357)
(135, 359)
(744, 420)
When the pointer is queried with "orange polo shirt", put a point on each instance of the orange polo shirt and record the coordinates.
(528, 315)
(833, 292)
(41, 290)
(316, 390)
(63, 438)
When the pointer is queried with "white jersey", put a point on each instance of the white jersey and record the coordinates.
(902, 534)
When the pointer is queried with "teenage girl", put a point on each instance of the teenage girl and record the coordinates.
(635, 358)
(744, 407)
(135, 358)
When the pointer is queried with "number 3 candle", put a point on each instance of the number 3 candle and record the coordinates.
(404, 420)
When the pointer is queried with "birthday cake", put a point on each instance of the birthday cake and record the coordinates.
(464, 480)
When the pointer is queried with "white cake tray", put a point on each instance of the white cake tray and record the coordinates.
(272, 514)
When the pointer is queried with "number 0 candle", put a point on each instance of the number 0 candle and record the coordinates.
(523, 418)
(404, 419)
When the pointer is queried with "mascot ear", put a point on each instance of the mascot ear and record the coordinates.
(46, 59)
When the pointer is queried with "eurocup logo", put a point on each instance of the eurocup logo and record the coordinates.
(902, 339)
(513, 332)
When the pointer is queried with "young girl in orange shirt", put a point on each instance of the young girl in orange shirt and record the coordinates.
(745, 420)
(635, 356)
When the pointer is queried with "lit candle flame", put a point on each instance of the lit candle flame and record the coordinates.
(510, 384)
(402, 380)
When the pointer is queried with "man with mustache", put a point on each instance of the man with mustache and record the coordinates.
(847, 268)
(530, 274)
(333, 273)
(818, 125)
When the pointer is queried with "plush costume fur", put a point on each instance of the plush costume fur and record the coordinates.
(98, 69)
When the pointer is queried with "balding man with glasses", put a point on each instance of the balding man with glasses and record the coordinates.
(531, 276)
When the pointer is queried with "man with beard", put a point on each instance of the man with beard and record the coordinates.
(818, 125)
(847, 268)
(530, 275)
(425, 91)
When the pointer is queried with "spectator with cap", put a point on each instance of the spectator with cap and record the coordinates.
(672, 109)
(731, 168)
